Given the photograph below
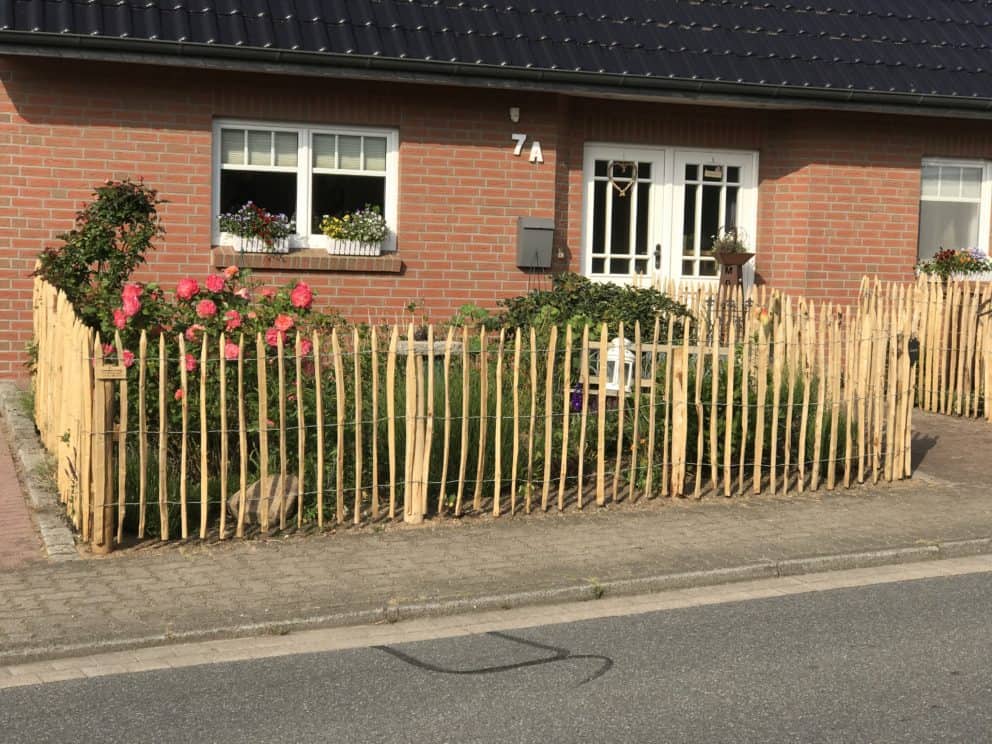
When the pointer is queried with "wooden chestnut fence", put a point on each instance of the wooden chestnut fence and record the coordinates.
(354, 427)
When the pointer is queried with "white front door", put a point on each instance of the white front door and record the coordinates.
(623, 232)
(652, 212)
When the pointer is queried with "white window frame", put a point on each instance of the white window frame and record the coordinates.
(667, 204)
(304, 173)
(985, 197)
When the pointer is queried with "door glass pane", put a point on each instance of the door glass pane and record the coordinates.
(232, 146)
(733, 174)
(323, 151)
(688, 268)
(731, 218)
(287, 148)
(600, 190)
(350, 152)
(620, 266)
(689, 221)
(643, 216)
(710, 219)
(692, 173)
(707, 268)
(620, 232)
(598, 265)
(375, 153)
(947, 225)
(259, 148)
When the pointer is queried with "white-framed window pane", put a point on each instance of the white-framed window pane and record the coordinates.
(337, 194)
(950, 182)
(947, 226)
(930, 179)
(272, 190)
(259, 148)
(375, 154)
(287, 147)
(971, 183)
(350, 152)
(324, 151)
(232, 146)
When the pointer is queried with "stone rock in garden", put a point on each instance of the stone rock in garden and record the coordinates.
(253, 494)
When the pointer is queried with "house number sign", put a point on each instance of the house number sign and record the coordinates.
(536, 155)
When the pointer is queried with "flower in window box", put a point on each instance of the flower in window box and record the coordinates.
(257, 230)
(949, 263)
(358, 233)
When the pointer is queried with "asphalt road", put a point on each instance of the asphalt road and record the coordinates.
(904, 662)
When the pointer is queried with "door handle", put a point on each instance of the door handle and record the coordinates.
(657, 256)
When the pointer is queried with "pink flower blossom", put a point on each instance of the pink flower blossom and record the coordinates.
(301, 296)
(131, 289)
(120, 318)
(283, 322)
(233, 318)
(243, 293)
(206, 308)
(178, 395)
(107, 349)
(273, 335)
(231, 271)
(127, 357)
(193, 332)
(305, 347)
(215, 283)
(190, 363)
(131, 306)
(230, 351)
(187, 289)
(252, 315)
(267, 293)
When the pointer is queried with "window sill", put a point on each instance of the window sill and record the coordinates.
(311, 259)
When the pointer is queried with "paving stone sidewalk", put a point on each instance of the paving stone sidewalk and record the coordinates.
(47, 608)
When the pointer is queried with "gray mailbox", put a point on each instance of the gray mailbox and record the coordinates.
(534, 238)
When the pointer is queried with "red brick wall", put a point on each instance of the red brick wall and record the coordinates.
(838, 193)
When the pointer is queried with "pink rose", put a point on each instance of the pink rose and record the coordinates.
(186, 289)
(243, 293)
(178, 395)
(252, 315)
(233, 318)
(267, 293)
(301, 296)
(127, 357)
(215, 283)
(206, 308)
(120, 318)
(305, 347)
(131, 306)
(283, 322)
(107, 349)
(190, 363)
(231, 351)
(231, 271)
(273, 335)
(131, 290)
(193, 332)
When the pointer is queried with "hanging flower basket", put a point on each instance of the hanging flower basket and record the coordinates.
(732, 259)
(257, 245)
(341, 247)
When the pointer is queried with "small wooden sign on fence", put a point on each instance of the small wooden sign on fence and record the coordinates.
(110, 372)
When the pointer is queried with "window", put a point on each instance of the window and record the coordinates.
(954, 207)
(305, 172)
(654, 211)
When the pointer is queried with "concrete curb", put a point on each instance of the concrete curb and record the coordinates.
(591, 590)
(33, 464)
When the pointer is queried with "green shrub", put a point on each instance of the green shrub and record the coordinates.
(576, 301)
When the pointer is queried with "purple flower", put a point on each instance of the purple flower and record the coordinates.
(575, 402)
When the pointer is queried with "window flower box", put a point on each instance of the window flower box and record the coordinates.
(343, 247)
(255, 244)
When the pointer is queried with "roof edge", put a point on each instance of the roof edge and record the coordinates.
(586, 84)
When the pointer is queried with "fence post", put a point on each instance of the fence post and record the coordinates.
(102, 535)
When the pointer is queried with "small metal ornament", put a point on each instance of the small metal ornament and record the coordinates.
(626, 169)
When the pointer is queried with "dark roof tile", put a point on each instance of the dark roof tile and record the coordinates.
(933, 47)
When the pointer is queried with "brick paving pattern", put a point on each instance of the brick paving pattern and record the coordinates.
(19, 541)
(195, 587)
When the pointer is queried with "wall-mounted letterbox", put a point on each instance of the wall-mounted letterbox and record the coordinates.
(534, 239)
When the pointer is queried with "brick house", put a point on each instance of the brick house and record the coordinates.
(843, 139)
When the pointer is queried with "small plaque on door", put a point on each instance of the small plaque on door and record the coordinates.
(713, 171)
